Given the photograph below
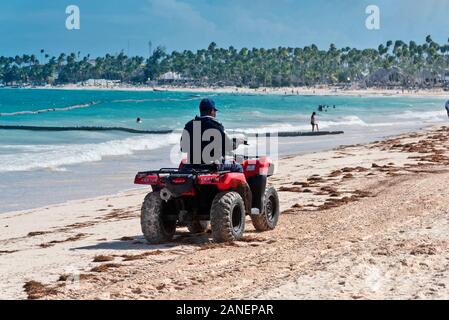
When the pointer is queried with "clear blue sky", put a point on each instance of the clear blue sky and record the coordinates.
(26, 26)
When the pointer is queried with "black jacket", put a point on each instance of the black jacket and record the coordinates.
(198, 130)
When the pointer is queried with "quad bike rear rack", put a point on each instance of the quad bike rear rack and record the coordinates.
(184, 172)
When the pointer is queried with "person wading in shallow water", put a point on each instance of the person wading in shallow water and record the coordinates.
(314, 123)
(447, 107)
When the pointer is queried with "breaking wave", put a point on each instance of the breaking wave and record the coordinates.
(32, 157)
(76, 106)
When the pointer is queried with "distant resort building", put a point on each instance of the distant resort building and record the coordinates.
(391, 77)
(172, 78)
(100, 83)
(395, 77)
(446, 77)
(435, 79)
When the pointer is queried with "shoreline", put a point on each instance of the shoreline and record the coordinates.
(41, 197)
(324, 196)
(282, 157)
(289, 91)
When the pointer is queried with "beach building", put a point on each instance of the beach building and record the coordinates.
(389, 77)
(100, 83)
(446, 77)
(396, 77)
(172, 78)
(433, 78)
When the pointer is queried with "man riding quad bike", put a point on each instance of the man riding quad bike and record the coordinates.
(207, 189)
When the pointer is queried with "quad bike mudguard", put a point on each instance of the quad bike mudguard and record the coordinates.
(257, 185)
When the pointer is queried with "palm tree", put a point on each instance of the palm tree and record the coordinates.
(42, 54)
(33, 59)
(282, 66)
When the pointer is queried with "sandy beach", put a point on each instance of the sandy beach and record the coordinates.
(358, 222)
(307, 91)
(145, 144)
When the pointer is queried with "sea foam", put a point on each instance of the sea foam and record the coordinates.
(32, 157)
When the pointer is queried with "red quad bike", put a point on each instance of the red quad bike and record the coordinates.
(194, 197)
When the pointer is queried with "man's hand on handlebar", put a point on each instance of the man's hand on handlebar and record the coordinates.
(240, 141)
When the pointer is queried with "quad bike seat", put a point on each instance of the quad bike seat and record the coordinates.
(226, 167)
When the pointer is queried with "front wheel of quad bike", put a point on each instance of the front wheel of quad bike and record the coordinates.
(198, 226)
(227, 217)
(155, 229)
(268, 218)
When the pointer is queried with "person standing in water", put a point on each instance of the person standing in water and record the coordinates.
(447, 107)
(314, 123)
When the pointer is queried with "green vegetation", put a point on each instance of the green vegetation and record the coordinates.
(391, 64)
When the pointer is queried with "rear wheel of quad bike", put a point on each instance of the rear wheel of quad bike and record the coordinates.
(268, 218)
(227, 217)
(155, 229)
(198, 226)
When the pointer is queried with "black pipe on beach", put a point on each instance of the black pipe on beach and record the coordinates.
(309, 134)
(58, 129)
(130, 130)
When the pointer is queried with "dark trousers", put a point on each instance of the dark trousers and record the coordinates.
(233, 167)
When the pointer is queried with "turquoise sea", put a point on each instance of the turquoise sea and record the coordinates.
(41, 168)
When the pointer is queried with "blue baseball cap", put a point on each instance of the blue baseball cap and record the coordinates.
(207, 105)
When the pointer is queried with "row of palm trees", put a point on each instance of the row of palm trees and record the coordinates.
(413, 65)
(70, 68)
